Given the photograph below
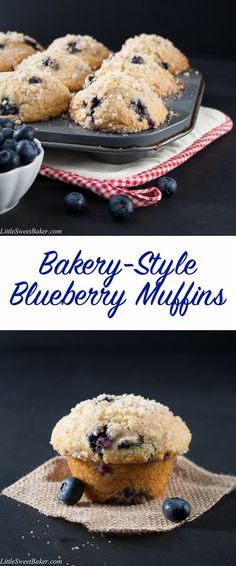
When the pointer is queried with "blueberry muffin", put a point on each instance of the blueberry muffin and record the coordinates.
(69, 70)
(161, 50)
(14, 47)
(28, 97)
(122, 447)
(117, 103)
(140, 67)
(89, 49)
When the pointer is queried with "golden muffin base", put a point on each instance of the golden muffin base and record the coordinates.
(122, 484)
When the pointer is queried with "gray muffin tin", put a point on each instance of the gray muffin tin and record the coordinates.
(63, 133)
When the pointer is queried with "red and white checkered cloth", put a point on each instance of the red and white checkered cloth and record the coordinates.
(106, 188)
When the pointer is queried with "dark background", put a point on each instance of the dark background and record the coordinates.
(44, 374)
(199, 28)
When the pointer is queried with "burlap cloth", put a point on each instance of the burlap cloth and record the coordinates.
(201, 488)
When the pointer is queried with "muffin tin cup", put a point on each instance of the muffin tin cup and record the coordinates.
(62, 133)
(122, 484)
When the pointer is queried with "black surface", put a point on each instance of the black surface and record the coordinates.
(199, 28)
(205, 203)
(44, 374)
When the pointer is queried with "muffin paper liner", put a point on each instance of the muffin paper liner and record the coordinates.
(107, 180)
(201, 488)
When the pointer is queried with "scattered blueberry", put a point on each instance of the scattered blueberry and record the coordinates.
(6, 123)
(74, 202)
(121, 207)
(8, 160)
(137, 60)
(167, 186)
(71, 490)
(27, 150)
(176, 509)
(24, 133)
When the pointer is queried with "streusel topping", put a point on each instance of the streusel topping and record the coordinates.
(120, 429)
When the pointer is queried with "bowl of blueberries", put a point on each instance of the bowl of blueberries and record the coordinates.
(21, 157)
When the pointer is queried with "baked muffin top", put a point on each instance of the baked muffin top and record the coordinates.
(139, 67)
(10, 37)
(116, 102)
(161, 49)
(120, 429)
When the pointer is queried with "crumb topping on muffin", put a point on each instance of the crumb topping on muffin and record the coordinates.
(116, 102)
(120, 429)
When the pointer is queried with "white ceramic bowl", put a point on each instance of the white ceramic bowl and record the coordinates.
(15, 183)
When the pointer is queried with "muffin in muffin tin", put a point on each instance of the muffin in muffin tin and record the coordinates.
(161, 50)
(27, 96)
(140, 67)
(14, 48)
(83, 46)
(122, 447)
(117, 103)
(70, 71)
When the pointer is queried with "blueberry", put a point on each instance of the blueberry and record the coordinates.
(167, 186)
(100, 441)
(137, 60)
(121, 207)
(49, 62)
(71, 490)
(89, 80)
(73, 47)
(74, 202)
(24, 133)
(95, 102)
(126, 443)
(7, 133)
(142, 112)
(1, 134)
(2, 45)
(164, 65)
(8, 144)
(176, 509)
(9, 160)
(35, 80)
(6, 123)
(6, 107)
(27, 150)
(140, 108)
